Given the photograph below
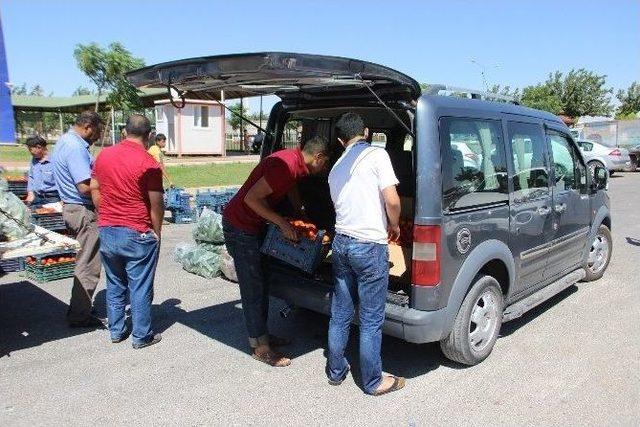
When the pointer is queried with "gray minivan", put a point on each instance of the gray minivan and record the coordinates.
(505, 214)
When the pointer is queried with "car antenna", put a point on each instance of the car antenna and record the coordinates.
(359, 76)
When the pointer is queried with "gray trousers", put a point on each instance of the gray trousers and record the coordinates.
(81, 222)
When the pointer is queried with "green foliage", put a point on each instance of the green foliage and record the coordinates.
(578, 93)
(81, 90)
(106, 68)
(629, 102)
(235, 120)
(505, 91)
(541, 97)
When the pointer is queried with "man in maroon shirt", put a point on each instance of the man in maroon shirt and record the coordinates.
(126, 187)
(244, 221)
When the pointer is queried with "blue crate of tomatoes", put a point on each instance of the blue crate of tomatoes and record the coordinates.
(304, 254)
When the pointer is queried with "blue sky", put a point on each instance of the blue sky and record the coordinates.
(518, 42)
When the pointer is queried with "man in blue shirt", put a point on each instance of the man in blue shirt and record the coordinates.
(72, 163)
(41, 187)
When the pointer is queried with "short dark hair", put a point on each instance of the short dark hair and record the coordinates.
(349, 125)
(138, 125)
(35, 140)
(316, 145)
(160, 137)
(90, 118)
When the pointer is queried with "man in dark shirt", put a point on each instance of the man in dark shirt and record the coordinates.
(126, 187)
(244, 220)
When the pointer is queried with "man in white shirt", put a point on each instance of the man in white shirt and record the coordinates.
(363, 191)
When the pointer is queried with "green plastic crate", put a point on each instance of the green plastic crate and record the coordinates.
(48, 273)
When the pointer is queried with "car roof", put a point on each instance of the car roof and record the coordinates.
(498, 107)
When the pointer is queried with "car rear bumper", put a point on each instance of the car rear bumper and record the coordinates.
(619, 164)
(411, 325)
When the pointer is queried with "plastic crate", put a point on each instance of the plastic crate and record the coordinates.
(47, 273)
(305, 254)
(183, 216)
(216, 200)
(50, 221)
(177, 198)
(19, 188)
(11, 265)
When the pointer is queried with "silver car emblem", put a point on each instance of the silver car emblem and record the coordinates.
(463, 240)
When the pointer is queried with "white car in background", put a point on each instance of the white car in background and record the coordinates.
(614, 159)
(470, 158)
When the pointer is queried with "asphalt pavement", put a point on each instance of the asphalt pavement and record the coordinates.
(574, 360)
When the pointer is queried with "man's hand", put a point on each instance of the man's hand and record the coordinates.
(288, 231)
(30, 197)
(394, 232)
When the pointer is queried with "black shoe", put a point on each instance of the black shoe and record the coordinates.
(155, 340)
(121, 338)
(89, 322)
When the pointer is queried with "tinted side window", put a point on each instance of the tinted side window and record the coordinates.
(531, 179)
(569, 172)
(474, 166)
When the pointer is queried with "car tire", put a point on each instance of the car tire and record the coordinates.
(599, 254)
(477, 324)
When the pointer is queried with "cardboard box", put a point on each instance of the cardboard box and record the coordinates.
(400, 262)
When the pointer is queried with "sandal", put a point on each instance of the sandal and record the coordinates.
(398, 383)
(278, 341)
(272, 358)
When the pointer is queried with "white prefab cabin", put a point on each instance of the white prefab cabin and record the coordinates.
(197, 128)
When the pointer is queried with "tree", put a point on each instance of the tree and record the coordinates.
(235, 120)
(20, 90)
(106, 68)
(578, 93)
(629, 101)
(505, 91)
(81, 90)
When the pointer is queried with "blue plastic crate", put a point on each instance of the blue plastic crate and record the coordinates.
(11, 265)
(305, 254)
(183, 216)
(50, 221)
(177, 198)
(216, 200)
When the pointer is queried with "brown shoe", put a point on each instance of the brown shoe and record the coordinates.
(398, 383)
(272, 358)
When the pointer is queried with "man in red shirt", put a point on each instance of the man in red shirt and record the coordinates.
(126, 187)
(244, 221)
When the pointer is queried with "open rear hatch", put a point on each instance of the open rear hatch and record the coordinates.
(291, 76)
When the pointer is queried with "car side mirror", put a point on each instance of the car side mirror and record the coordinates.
(600, 178)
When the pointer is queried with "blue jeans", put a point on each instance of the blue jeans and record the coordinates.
(361, 272)
(130, 259)
(244, 248)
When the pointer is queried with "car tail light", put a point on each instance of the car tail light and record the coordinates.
(425, 265)
(616, 153)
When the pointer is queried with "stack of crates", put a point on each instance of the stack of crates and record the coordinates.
(178, 202)
(52, 266)
(215, 200)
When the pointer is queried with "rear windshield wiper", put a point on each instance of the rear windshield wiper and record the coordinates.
(395, 116)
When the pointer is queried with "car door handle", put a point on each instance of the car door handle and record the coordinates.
(543, 210)
(561, 207)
